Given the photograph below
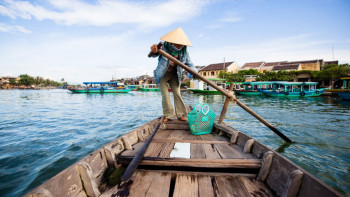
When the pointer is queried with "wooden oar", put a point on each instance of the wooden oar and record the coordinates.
(232, 98)
(137, 159)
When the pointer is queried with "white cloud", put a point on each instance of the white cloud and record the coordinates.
(78, 59)
(214, 26)
(230, 17)
(13, 29)
(105, 12)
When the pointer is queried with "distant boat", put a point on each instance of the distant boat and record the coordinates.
(254, 88)
(150, 88)
(201, 87)
(294, 89)
(344, 92)
(101, 87)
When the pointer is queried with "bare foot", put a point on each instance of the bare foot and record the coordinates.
(183, 118)
(165, 119)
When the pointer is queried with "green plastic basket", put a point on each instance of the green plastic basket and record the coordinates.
(201, 119)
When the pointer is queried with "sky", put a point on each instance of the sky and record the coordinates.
(97, 40)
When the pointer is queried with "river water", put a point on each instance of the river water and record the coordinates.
(44, 131)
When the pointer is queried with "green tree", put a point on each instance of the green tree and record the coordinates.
(249, 72)
(332, 73)
(26, 80)
(13, 82)
(39, 80)
(230, 77)
(277, 76)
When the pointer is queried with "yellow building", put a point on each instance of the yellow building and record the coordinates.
(314, 65)
(5, 81)
(212, 71)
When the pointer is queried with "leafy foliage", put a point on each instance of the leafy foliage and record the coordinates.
(38, 81)
(230, 77)
(331, 72)
(26, 80)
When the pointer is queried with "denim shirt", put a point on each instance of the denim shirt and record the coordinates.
(163, 64)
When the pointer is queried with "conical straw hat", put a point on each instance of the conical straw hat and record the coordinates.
(177, 36)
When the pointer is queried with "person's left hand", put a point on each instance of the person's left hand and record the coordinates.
(154, 48)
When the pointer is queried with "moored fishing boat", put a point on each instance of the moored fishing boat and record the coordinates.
(344, 92)
(200, 87)
(149, 88)
(226, 162)
(254, 88)
(294, 89)
(100, 87)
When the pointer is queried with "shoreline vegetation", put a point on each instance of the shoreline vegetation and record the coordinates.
(31, 83)
(328, 77)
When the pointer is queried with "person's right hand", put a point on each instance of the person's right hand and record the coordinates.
(154, 48)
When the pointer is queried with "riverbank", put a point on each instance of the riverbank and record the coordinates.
(28, 88)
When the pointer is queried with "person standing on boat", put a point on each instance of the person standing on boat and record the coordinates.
(167, 72)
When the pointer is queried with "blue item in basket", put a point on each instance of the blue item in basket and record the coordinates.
(201, 119)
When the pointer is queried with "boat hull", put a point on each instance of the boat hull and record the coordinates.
(85, 91)
(212, 92)
(293, 94)
(149, 89)
(344, 95)
(248, 93)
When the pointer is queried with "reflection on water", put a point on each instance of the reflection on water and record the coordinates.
(43, 132)
(285, 145)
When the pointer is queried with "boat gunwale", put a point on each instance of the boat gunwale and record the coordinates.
(138, 135)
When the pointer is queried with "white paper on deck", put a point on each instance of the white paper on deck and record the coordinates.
(181, 150)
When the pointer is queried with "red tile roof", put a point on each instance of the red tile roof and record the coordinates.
(307, 61)
(331, 62)
(218, 66)
(252, 65)
(273, 63)
(286, 66)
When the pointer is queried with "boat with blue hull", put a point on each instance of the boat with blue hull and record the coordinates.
(294, 89)
(150, 88)
(254, 88)
(100, 87)
(344, 92)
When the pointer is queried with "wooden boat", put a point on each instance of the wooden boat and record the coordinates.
(254, 88)
(150, 88)
(344, 92)
(224, 163)
(100, 87)
(294, 89)
(200, 87)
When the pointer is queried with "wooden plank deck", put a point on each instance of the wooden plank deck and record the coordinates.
(164, 184)
(207, 151)
(208, 146)
(225, 163)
